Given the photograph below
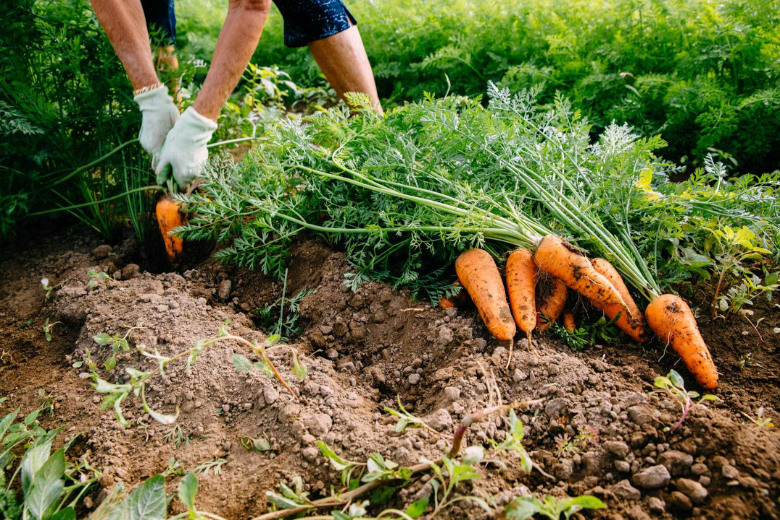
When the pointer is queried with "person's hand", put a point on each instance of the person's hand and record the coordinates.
(159, 115)
(184, 150)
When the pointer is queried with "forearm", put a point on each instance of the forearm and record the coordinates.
(125, 26)
(235, 45)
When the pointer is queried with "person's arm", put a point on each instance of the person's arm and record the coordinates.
(184, 151)
(235, 45)
(125, 27)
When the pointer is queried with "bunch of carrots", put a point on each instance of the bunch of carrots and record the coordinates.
(437, 176)
(597, 280)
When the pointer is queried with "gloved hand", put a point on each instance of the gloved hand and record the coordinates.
(184, 150)
(159, 115)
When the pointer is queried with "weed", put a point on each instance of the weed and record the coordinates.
(117, 393)
(737, 245)
(523, 508)
(259, 444)
(175, 467)
(407, 420)
(25, 324)
(86, 360)
(565, 445)
(47, 328)
(95, 277)
(759, 420)
(49, 289)
(214, 465)
(360, 479)
(746, 361)
(177, 436)
(674, 386)
(116, 343)
(282, 317)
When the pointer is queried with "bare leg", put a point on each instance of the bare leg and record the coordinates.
(343, 60)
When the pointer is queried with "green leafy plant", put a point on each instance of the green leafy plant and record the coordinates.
(95, 277)
(282, 317)
(259, 444)
(51, 486)
(47, 328)
(673, 385)
(565, 444)
(738, 245)
(522, 508)
(408, 420)
(116, 343)
(177, 436)
(214, 465)
(759, 420)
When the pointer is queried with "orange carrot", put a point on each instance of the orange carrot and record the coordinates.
(568, 321)
(169, 218)
(569, 263)
(447, 303)
(521, 286)
(456, 300)
(672, 321)
(631, 320)
(551, 304)
(478, 273)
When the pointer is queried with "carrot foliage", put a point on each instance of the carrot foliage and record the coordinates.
(404, 194)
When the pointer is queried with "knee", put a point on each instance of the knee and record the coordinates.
(263, 6)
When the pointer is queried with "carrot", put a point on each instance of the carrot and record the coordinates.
(169, 218)
(447, 303)
(569, 263)
(521, 286)
(456, 300)
(631, 320)
(480, 277)
(551, 304)
(672, 321)
(568, 321)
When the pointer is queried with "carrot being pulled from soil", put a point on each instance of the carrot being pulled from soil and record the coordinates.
(478, 273)
(550, 307)
(672, 321)
(631, 320)
(521, 286)
(169, 218)
(561, 259)
(568, 321)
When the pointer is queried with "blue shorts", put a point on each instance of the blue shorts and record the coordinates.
(305, 21)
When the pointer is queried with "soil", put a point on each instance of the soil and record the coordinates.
(364, 350)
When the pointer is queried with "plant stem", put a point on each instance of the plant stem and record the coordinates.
(94, 203)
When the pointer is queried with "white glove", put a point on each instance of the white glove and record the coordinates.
(184, 150)
(159, 115)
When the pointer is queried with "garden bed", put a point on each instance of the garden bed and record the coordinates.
(364, 350)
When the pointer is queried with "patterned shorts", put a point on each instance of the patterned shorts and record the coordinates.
(305, 21)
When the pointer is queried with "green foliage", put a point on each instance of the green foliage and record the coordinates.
(64, 100)
(404, 194)
(523, 508)
(281, 318)
(702, 73)
(50, 485)
(674, 386)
